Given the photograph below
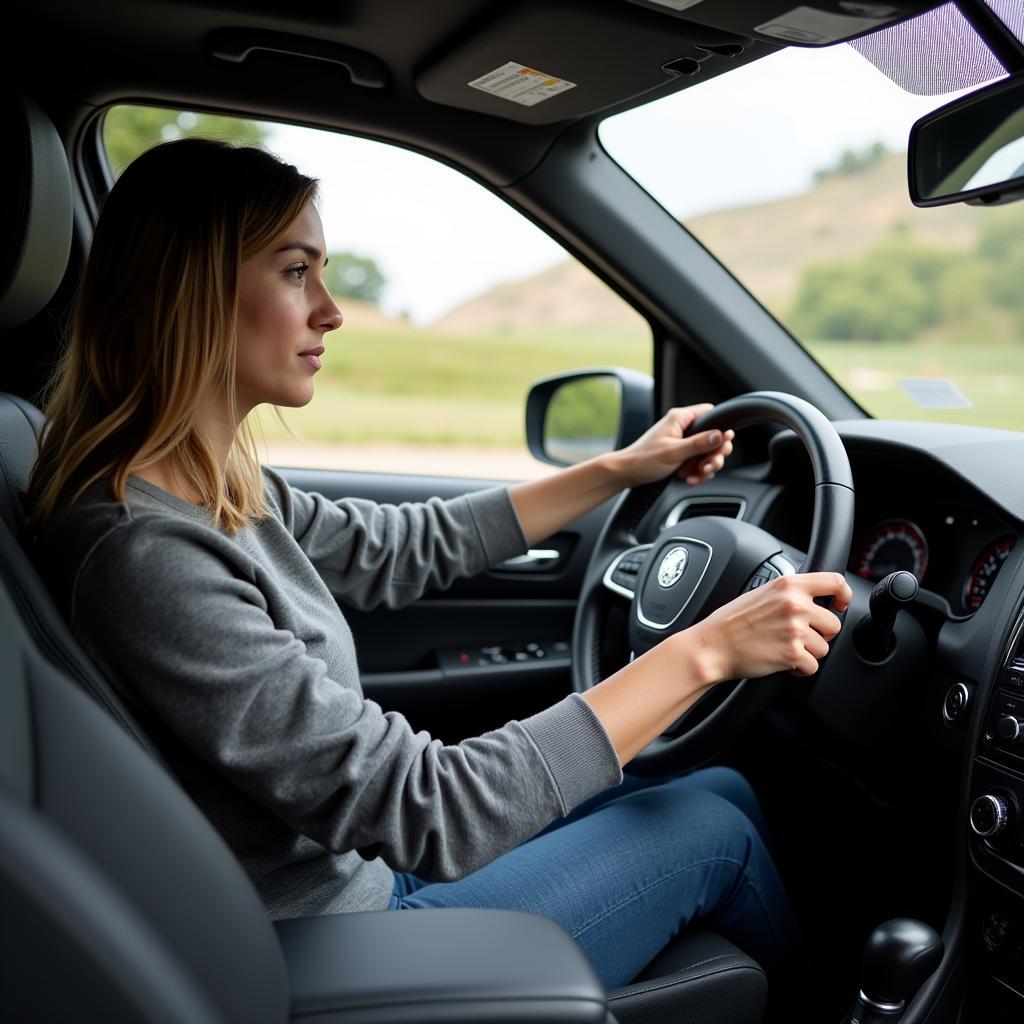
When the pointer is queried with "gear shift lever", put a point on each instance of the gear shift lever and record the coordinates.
(874, 638)
(898, 957)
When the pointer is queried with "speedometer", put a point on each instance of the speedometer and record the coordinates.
(892, 545)
(984, 571)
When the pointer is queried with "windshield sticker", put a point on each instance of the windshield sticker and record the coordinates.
(807, 25)
(521, 84)
(935, 393)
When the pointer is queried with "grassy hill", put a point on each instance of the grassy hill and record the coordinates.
(564, 297)
(765, 245)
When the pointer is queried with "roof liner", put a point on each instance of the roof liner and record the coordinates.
(161, 51)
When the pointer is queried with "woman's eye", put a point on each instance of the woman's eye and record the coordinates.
(299, 270)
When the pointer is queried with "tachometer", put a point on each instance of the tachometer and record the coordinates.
(984, 571)
(891, 545)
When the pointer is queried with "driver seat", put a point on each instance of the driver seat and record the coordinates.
(86, 878)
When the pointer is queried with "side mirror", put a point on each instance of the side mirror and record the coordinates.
(971, 150)
(574, 416)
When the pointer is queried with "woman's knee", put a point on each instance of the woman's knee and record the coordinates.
(701, 822)
(720, 779)
(730, 784)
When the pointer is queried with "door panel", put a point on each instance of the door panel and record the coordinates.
(464, 660)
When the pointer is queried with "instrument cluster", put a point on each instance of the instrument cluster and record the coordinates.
(954, 551)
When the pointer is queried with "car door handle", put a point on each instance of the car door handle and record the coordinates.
(535, 560)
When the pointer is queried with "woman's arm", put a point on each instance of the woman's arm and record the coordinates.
(545, 506)
(255, 675)
(371, 554)
(775, 628)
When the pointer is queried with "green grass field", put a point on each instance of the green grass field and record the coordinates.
(417, 386)
(422, 387)
(991, 375)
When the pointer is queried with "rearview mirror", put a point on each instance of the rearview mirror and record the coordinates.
(574, 416)
(971, 150)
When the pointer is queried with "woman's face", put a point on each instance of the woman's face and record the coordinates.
(284, 311)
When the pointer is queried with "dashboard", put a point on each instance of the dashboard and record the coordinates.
(913, 513)
(935, 730)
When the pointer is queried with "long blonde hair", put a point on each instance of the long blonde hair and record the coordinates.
(154, 328)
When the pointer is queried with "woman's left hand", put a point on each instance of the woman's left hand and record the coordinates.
(664, 450)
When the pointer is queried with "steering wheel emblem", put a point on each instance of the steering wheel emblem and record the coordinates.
(672, 566)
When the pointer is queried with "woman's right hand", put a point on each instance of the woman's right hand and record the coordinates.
(776, 628)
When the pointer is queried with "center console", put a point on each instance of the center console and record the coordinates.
(996, 842)
(457, 966)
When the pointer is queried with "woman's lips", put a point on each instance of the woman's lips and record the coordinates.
(313, 356)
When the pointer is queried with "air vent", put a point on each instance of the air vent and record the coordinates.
(729, 508)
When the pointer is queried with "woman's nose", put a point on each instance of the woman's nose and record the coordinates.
(333, 319)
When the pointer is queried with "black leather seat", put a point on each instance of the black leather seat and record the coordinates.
(19, 425)
(119, 896)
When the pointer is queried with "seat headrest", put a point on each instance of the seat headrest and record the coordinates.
(20, 423)
(36, 214)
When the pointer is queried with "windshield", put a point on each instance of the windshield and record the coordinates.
(792, 172)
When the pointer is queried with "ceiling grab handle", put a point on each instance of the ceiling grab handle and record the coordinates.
(237, 44)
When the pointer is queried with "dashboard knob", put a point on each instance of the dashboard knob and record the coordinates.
(990, 815)
(1010, 729)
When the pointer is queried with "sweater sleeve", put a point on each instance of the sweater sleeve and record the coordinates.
(373, 554)
(170, 612)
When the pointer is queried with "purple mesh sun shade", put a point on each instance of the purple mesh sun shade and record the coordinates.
(938, 51)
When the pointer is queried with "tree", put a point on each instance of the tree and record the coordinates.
(1001, 247)
(354, 277)
(128, 131)
(894, 291)
(852, 160)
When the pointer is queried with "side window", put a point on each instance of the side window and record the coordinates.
(454, 305)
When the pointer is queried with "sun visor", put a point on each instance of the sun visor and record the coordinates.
(789, 23)
(544, 63)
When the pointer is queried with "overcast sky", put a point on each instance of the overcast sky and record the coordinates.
(753, 135)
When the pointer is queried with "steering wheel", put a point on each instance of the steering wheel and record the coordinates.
(697, 565)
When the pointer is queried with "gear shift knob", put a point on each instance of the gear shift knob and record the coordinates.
(898, 957)
(874, 638)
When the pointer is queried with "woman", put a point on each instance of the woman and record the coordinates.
(206, 588)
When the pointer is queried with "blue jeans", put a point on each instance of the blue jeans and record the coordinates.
(629, 869)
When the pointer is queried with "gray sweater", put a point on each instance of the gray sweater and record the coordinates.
(233, 652)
